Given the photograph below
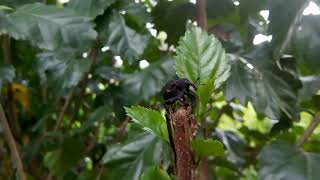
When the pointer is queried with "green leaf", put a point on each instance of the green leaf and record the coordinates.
(168, 14)
(136, 14)
(255, 77)
(306, 44)
(17, 3)
(123, 40)
(250, 7)
(217, 8)
(150, 120)
(225, 13)
(241, 83)
(7, 73)
(61, 161)
(155, 173)
(90, 8)
(280, 160)
(87, 175)
(98, 115)
(49, 27)
(235, 147)
(222, 162)
(6, 8)
(283, 26)
(61, 69)
(311, 85)
(108, 73)
(148, 82)
(207, 147)
(130, 159)
(201, 58)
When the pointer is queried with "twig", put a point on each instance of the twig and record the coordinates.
(44, 92)
(85, 81)
(64, 109)
(202, 14)
(12, 115)
(49, 177)
(121, 129)
(307, 133)
(92, 141)
(12, 144)
(100, 173)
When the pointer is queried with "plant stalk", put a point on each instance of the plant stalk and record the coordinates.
(12, 112)
(184, 127)
(64, 109)
(308, 132)
(12, 144)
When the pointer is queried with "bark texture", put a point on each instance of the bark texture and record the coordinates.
(184, 127)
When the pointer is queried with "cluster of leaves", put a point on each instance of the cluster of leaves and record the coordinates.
(69, 70)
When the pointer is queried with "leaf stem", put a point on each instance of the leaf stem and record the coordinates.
(64, 109)
(308, 132)
(12, 144)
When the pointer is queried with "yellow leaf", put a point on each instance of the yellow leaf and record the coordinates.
(21, 95)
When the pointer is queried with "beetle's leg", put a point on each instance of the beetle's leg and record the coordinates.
(183, 99)
(175, 98)
(193, 97)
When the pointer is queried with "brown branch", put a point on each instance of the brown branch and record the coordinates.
(6, 45)
(35, 169)
(308, 132)
(92, 141)
(80, 97)
(49, 177)
(184, 127)
(12, 112)
(93, 55)
(202, 14)
(203, 170)
(64, 109)
(121, 129)
(12, 144)
(100, 173)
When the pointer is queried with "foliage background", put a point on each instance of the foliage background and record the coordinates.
(68, 70)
